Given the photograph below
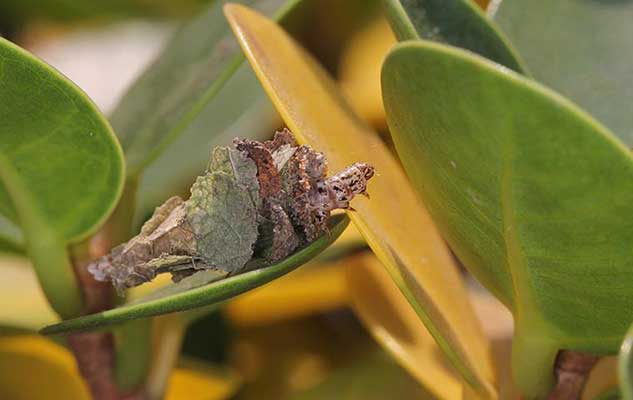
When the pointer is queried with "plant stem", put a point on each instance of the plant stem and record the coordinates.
(95, 351)
(572, 370)
(169, 333)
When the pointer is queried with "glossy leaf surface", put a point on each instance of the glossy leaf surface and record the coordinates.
(530, 192)
(60, 147)
(460, 23)
(582, 49)
(61, 168)
(393, 222)
(201, 289)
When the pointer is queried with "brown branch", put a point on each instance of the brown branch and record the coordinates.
(94, 351)
(572, 369)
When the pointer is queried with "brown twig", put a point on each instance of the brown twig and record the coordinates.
(572, 369)
(94, 351)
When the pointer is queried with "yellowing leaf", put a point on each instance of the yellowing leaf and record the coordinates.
(393, 222)
(22, 301)
(359, 70)
(193, 381)
(394, 324)
(313, 288)
(34, 368)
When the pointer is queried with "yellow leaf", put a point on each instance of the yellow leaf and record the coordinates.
(394, 222)
(315, 287)
(194, 381)
(394, 324)
(359, 70)
(23, 302)
(34, 368)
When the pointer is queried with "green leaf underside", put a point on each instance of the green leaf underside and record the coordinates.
(201, 289)
(460, 23)
(193, 67)
(198, 94)
(625, 366)
(582, 49)
(531, 193)
(60, 146)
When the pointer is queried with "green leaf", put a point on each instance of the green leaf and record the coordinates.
(531, 193)
(61, 168)
(194, 97)
(201, 289)
(625, 366)
(582, 49)
(459, 23)
(375, 377)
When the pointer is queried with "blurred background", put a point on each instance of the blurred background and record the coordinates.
(312, 334)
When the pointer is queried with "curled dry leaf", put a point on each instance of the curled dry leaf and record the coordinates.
(256, 201)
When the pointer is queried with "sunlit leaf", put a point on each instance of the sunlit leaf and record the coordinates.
(61, 168)
(394, 324)
(393, 222)
(582, 49)
(459, 23)
(201, 289)
(530, 192)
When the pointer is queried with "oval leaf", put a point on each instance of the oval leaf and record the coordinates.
(201, 289)
(60, 146)
(582, 49)
(61, 168)
(530, 192)
(459, 23)
(393, 222)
